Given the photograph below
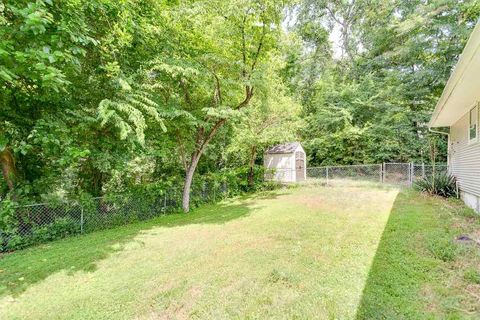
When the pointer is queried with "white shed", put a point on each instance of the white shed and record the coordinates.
(286, 162)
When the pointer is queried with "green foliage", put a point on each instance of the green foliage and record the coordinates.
(60, 228)
(7, 210)
(126, 112)
(99, 97)
(441, 184)
(370, 99)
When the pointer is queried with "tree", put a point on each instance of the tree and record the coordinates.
(372, 103)
(41, 44)
(67, 72)
(223, 50)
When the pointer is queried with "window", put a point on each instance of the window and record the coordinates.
(472, 129)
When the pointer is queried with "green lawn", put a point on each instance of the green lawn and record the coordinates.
(313, 252)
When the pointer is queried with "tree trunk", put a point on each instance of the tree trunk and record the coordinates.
(202, 141)
(253, 155)
(8, 168)
(188, 182)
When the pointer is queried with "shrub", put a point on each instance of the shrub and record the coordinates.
(441, 184)
(60, 228)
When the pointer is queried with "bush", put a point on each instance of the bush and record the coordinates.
(441, 184)
(59, 228)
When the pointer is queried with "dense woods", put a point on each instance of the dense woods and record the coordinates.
(104, 96)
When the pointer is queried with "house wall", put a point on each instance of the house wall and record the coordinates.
(464, 160)
(284, 165)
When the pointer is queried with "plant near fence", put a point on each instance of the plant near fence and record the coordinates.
(441, 184)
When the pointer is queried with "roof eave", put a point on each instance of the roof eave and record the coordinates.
(456, 76)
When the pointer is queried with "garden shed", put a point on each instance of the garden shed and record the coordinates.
(286, 162)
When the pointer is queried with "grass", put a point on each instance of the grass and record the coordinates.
(419, 270)
(312, 252)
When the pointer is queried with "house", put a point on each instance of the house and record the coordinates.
(286, 162)
(458, 110)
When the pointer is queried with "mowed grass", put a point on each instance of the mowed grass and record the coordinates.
(306, 253)
(421, 270)
(303, 253)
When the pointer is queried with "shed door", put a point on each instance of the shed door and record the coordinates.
(300, 166)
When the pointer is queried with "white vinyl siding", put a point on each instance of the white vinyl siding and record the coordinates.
(464, 157)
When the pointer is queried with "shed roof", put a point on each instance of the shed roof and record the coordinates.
(288, 147)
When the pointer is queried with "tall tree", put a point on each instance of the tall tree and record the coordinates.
(223, 50)
(372, 103)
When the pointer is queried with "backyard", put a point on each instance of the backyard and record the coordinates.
(346, 252)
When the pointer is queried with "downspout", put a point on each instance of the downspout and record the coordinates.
(448, 153)
(448, 143)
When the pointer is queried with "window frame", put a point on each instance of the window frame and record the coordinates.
(476, 115)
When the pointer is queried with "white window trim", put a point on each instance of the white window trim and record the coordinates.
(473, 140)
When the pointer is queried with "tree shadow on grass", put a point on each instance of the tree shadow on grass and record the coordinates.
(403, 266)
(21, 269)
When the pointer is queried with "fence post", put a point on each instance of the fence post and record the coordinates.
(384, 173)
(411, 173)
(81, 219)
(327, 174)
(423, 169)
(165, 201)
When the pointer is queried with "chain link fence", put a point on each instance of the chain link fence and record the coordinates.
(403, 174)
(38, 223)
(351, 173)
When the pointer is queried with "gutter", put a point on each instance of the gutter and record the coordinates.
(440, 132)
